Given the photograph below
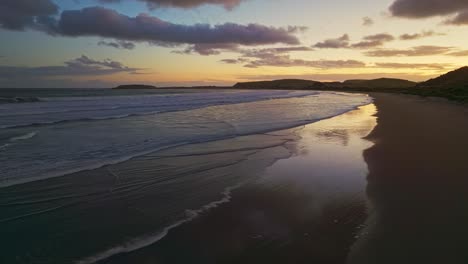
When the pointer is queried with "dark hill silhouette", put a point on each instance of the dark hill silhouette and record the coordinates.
(135, 86)
(453, 85)
(281, 84)
(382, 83)
(456, 78)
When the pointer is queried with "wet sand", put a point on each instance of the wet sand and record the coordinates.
(418, 183)
(308, 208)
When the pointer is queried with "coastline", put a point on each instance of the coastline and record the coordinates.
(417, 183)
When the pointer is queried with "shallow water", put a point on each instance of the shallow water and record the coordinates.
(134, 206)
(309, 207)
(57, 137)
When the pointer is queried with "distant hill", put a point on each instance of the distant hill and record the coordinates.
(457, 78)
(453, 86)
(281, 84)
(382, 83)
(135, 87)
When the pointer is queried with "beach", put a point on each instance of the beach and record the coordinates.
(382, 183)
(417, 184)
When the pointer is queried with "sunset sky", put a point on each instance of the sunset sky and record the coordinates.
(102, 43)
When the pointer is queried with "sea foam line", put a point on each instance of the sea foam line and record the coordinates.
(143, 242)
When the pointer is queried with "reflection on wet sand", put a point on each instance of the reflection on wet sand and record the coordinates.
(417, 184)
(308, 208)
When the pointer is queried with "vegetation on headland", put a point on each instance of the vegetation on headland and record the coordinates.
(453, 86)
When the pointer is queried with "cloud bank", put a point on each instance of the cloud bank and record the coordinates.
(108, 23)
(430, 8)
(22, 14)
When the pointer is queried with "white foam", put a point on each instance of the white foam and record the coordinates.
(143, 242)
(24, 137)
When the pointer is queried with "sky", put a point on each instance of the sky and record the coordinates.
(104, 43)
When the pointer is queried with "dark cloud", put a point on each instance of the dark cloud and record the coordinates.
(337, 43)
(120, 44)
(102, 22)
(82, 66)
(228, 4)
(107, 23)
(431, 8)
(373, 41)
(22, 14)
(415, 51)
(423, 34)
(460, 19)
(367, 21)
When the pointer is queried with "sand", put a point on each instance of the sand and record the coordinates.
(418, 183)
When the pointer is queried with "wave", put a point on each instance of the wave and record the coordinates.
(24, 137)
(12, 140)
(51, 112)
(11, 100)
(153, 150)
(143, 242)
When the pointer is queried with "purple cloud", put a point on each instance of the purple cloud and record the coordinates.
(430, 8)
(102, 22)
(22, 14)
(227, 4)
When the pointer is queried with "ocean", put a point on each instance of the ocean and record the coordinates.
(88, 174)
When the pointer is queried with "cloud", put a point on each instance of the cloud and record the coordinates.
(337, 43)
(152, 4)
(120, 44)
(287, 61)
(429, 66)
(415, 51)
(280, 57)
(234, 61)
(82, 66)
(22, 14)
(423, 34)
(373, 41)
(209, 49)
(108, 23)
(367, 21)
(461, 53)
(102, 22)
(342, 42)
(460, 19)
(429, 8)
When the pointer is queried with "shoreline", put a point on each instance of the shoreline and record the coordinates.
(417, 183)
(236, 231)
